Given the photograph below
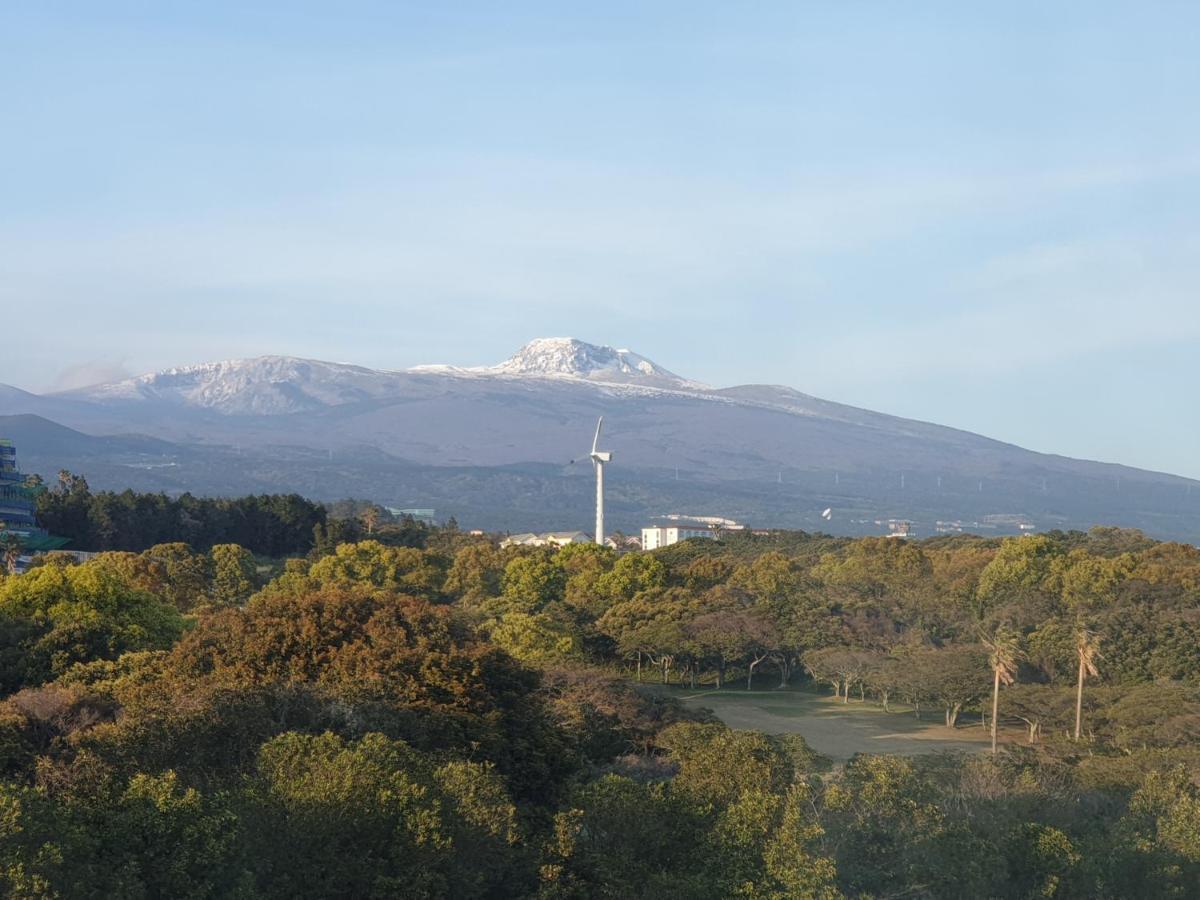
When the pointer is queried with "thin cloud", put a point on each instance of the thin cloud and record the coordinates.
(86, 374)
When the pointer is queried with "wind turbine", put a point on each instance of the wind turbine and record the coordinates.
(599, 458)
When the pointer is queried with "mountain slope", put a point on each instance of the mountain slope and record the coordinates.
(769, 454)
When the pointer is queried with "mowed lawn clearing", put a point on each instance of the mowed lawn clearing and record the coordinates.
(830, 727)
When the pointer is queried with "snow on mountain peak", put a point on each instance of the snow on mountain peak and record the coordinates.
(281, 385)
(572, 358)
(265, 385)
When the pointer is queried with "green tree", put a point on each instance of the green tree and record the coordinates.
(632, 574)
(882, 819)
(585, 565)
(474, 576)
(369, 564)
(78, 614)
(954, 676)
(535, 638)
(531, 583)
(149, 837)
(373, 818)
(233, 574)
(1040, 859)
(620, 839)
(1021, 578)
(794, 863)
(716, 764)
(187, 575)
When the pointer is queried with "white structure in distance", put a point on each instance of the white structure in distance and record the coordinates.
(599, 458)
(545, 539)
(680, 528)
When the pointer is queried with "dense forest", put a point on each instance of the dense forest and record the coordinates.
(401, 711)
(271, 525)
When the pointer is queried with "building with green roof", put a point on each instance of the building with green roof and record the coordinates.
(18, 506)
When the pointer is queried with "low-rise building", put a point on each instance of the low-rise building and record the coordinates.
(546, 539)
(678, 527)
(665, 535)
(898, 528)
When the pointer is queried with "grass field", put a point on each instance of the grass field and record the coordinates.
(837, 730)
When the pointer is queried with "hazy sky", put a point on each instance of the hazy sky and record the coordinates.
(985, 219)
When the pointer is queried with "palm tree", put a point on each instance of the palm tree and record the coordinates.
(1004, 653)
(1087, 648)
(11, 545)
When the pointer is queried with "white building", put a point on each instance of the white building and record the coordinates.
(546, 539)
(665, 535)
(898, 528)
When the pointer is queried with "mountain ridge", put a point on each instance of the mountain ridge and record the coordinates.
(768, 452)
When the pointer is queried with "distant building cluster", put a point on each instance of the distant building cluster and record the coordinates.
(898, 528)
(546, 539)
(997, 522)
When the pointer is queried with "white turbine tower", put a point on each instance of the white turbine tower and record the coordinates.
(599, 458)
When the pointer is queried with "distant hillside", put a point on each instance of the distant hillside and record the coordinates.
(494, 444)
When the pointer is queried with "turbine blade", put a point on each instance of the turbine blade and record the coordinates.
(596, 439)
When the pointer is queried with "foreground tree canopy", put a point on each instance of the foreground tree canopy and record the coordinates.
(422, 714)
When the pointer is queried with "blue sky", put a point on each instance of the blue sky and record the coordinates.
(984, 218)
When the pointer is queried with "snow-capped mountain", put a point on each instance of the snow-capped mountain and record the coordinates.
(266, 385)
(464, 439)
(572, 358)
(281, 385)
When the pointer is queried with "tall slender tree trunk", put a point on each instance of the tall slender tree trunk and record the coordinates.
(639, 664)
(995, 707)
(750, 675)
(1079, 700)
